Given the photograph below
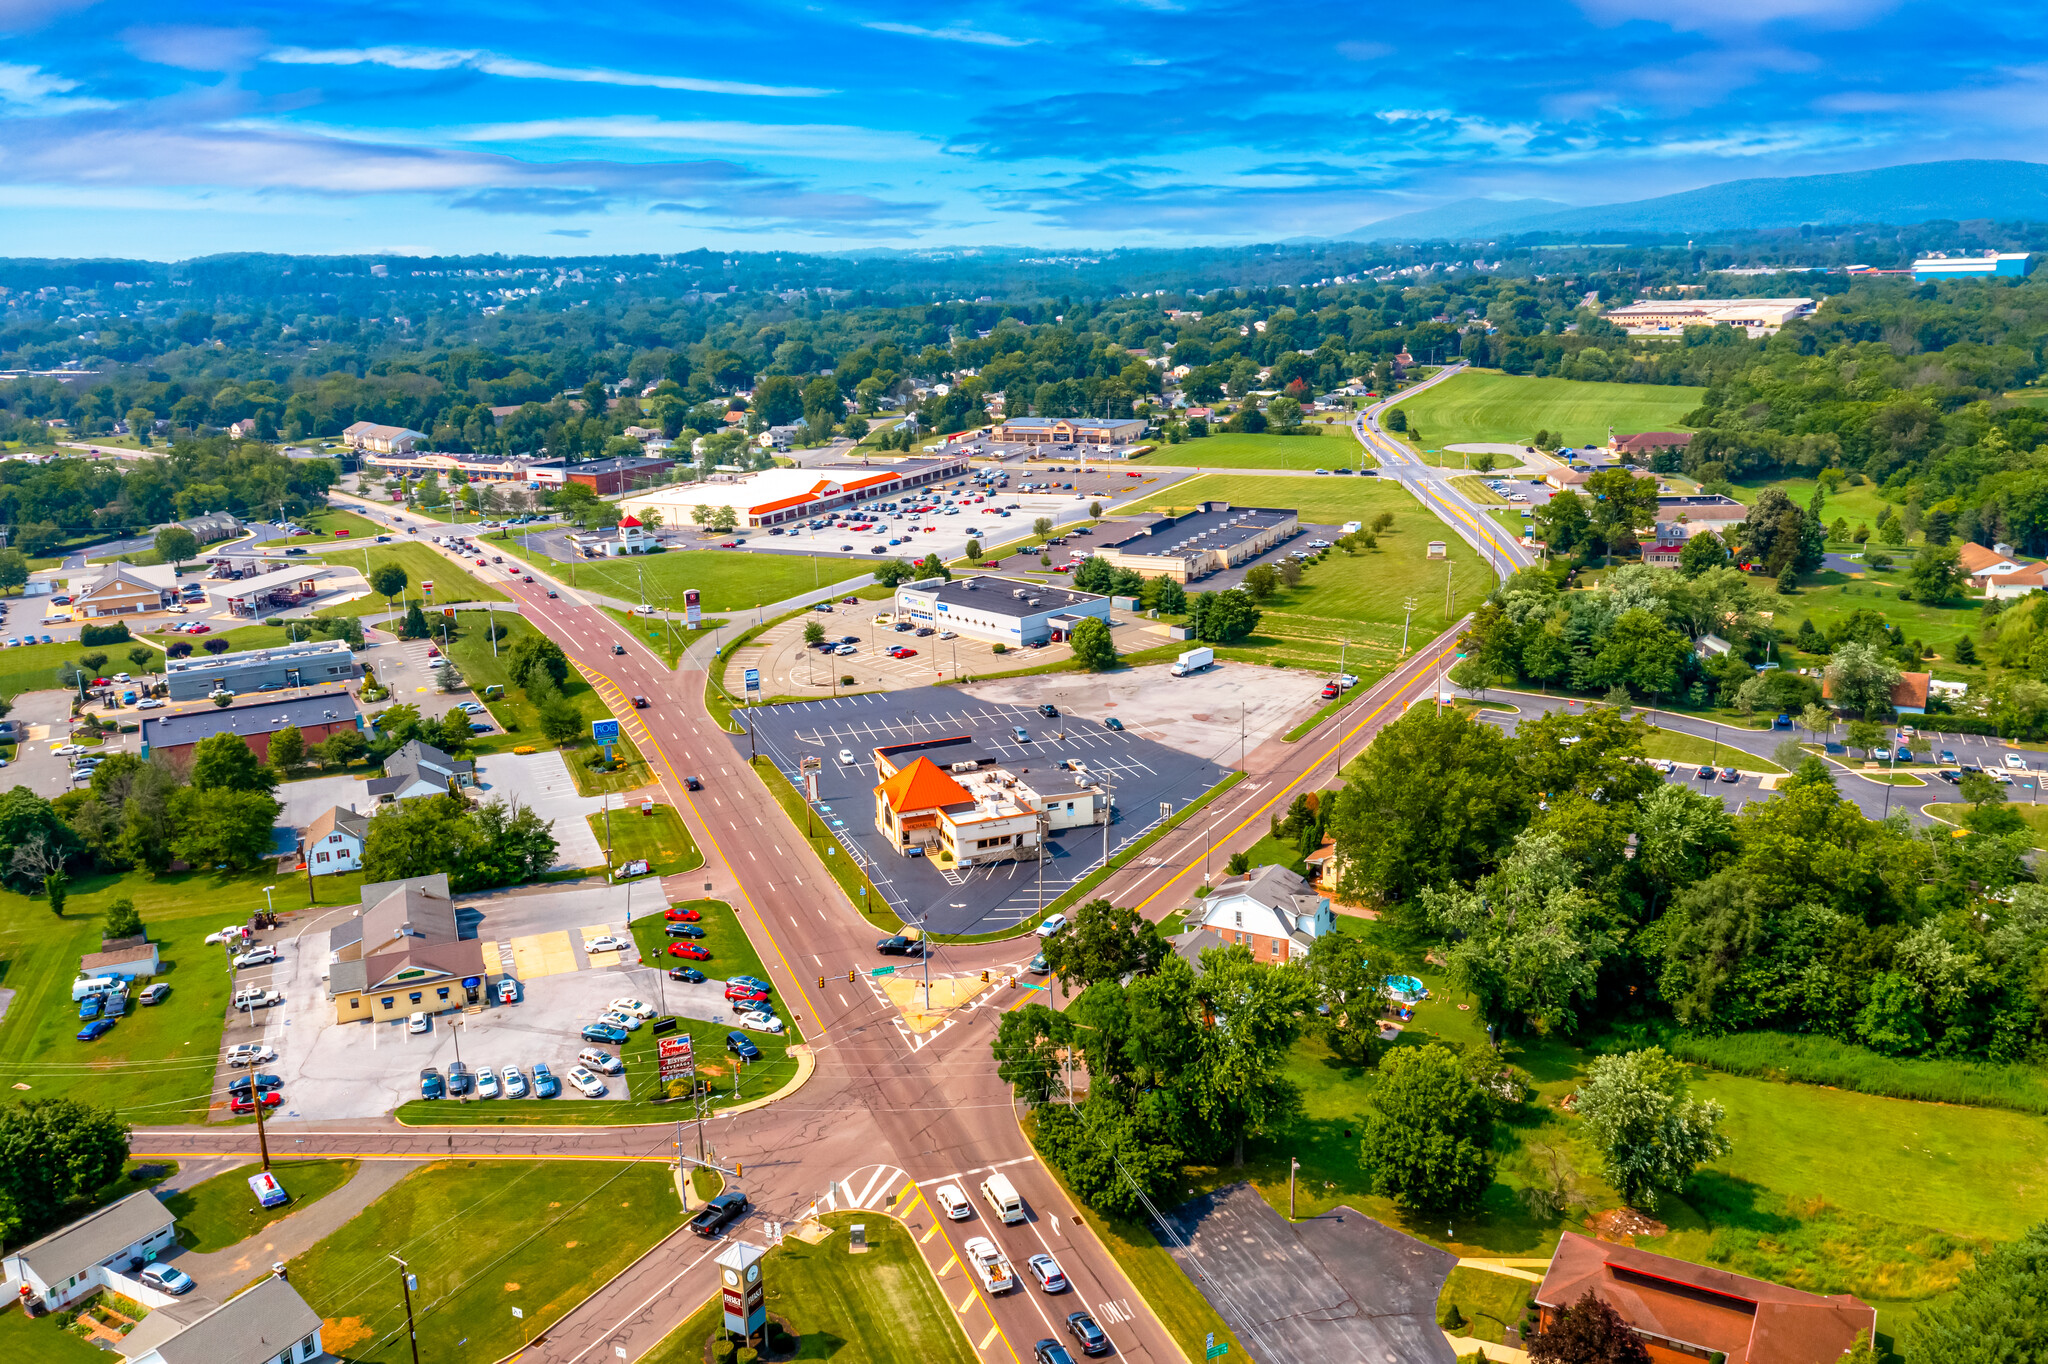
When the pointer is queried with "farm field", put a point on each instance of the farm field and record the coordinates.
(1486, 406)
(1327, 448)
(727, 581)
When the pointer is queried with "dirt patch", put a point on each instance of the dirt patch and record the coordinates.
(1625, 1224)
(341, 1334)
(511, 1288)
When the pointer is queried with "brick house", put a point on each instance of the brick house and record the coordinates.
(1274, 912)
(1687, 1314)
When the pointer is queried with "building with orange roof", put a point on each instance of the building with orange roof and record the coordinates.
(779, 497)
(970, 811)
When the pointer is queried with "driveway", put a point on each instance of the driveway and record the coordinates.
(304, 800)
(43, 719)
(542, 781)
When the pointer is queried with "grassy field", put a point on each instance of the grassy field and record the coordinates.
(2035, 817)
(222, 1212)
(1486, 406)
(879, 1308)
(1890, 1213)
(157, 1064)
(1691, 748)
(667, 639)
(1359, 599)
(659, 837)
(33, 667)
(483, 1237)
(44, 1341)
(1862, 504)
(726, 581)
(1326, 448)
(421, 565)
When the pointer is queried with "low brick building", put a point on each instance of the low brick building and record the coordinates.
(173, 737)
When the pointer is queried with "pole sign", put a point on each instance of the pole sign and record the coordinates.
(678, 1061)
(693, 607)
(744, 1297)
(811, 785)
(427, 587)
(604, 731)
(753, 679)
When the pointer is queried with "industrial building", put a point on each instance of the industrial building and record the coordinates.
(1212, 537)
(1069, 431)
(173, 737)
(944, 799)
(473, 468)
(778, 497)
(371, 439)
(309, 664)
(1942, 265)
(1670, 317)
(999, 610)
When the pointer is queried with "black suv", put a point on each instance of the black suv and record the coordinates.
(1050, 1351)
(742, 1046)
(717, 1213)
(1049, 711)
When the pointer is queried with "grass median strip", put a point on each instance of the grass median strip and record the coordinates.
(223, 1211)
(877, 1308)
(656, 836)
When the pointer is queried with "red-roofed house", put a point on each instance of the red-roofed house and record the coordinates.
(1664, 553)
(1909, 697)
(1687, 1314)
(1999, 574)
(1649, 442)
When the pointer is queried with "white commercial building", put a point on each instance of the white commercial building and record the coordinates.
(1670, 317)
(999, 610)
(779, 497)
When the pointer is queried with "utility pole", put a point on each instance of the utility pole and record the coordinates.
(406, 1282)
(1408, 607)
(1292, 1166)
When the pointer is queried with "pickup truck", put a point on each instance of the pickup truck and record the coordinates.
(988, 1262)
(256, 998)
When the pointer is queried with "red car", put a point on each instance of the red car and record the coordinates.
(849, 601)
(240, 1103)
(740, 989)
(202, 629)
(902, 653)
(688, 949)
(682, 914)
(1330, 691)
(479, 563)
(992, 563)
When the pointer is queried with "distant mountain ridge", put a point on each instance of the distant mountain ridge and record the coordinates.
(1899, 195)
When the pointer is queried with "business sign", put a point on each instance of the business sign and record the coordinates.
(693, 607)
(427, 587)
(604, 731)
(753, 679)
(811, 785)
(743, 1296)
(678, 1061)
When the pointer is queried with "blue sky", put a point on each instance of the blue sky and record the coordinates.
(174, 129)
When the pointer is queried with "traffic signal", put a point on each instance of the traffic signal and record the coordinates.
(850, 975)
(984, 977)
(821, 982)
(739, 1168)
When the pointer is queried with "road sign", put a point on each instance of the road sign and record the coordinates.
(753, 679)
(1216, 1351)
(604, 731)
(883, 971)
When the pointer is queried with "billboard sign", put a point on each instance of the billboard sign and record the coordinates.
(693, 607)
(677, 1058)
(604, 731)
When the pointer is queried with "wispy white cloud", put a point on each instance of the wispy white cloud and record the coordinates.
(518, 68)
(34, 91)
(827, 141)
(1722, 16)
(952, 33)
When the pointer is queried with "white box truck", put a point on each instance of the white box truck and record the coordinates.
(1193, 661)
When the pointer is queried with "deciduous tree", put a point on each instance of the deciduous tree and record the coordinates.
(1652, 1134)
(53, 1153)
(1093, 647)
(1429, 1135)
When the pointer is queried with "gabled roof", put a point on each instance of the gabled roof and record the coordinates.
(1909, 693)
(94, 1237)
(1751, 1321)
(335, 820)
(122, 575)
(922, 786)
(1976, 559)
(253, 1327)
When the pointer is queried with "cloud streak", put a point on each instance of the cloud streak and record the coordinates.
(955, 33)
(518, 68)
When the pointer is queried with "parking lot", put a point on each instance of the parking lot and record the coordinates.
(1143, 773)
(359, 1069)
(1200, 714)
(789, 667)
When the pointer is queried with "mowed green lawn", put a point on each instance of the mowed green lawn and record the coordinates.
(1861, 505)
(1326, 448)
(520, 719)
(879, 1308)
(33, 667)
(1361, 598)
(157, 1063)
(421, 565)
(659, 837)
(223, 1211)
(1490, 407)
(727, 580)
(483, 1237)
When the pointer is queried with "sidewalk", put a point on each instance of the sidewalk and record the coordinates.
(222, 1272)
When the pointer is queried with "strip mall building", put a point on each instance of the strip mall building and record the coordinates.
(778, 497)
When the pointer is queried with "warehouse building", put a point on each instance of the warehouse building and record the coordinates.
(173, 737)
(999, 610)
(1212, 537)
(309, 664)
(1670, 317)
(779, 497)
(1942, 265)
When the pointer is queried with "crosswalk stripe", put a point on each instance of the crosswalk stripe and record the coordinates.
(965, 1303)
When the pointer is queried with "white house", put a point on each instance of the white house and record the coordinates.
(267, 1324)
(420, 769)
(93, 1253)
(1274, 912)
(334, 842)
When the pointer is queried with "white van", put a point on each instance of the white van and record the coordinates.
(94, 985)
(1002, 1198)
